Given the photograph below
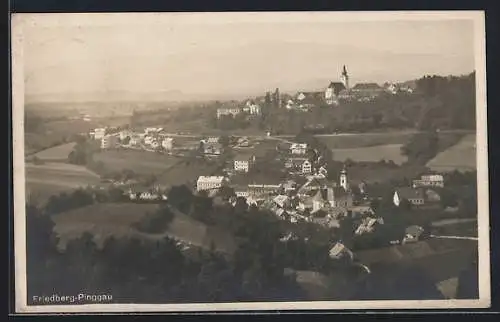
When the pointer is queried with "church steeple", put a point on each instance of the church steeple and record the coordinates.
(343, 179)
(344, 78)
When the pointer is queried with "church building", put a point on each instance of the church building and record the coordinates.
(335, 89)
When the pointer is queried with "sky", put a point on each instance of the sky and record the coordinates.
(189, 56)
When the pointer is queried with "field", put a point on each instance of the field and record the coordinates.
(186, 172)
(461, 156)
(140, 162)
(51, 178)
(385, 146)
(371, 153)
(378, 173)
(117, 219)
(362, 140)
(57, 153)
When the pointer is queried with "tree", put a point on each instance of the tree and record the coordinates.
(180, 197)
(421, 148)
(227, 192)
(224, 140)
(241, 205)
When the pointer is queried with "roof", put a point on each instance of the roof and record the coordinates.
(319, 195)
(409, 193)
(366, 86)
(414, 230)
(337, 87)
(311, 97)
(337, 249)
(210, 178)
(298, 145)
(432, 177)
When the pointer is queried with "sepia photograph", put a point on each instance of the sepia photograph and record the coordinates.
(244, 161)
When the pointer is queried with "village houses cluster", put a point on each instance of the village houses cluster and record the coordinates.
(307, 195)
(335, 93)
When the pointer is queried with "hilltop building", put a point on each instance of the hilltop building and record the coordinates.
(344, 78)
(228, 111)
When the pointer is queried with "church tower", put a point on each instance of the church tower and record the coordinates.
(344, 78)
(343, 179)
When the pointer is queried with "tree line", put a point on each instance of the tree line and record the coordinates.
(437, 103)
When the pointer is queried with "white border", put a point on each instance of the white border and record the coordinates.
(18, 21)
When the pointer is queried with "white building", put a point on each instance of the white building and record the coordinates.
(306, 167)
(343, 179)
(124, 134)
(168, 144)
(210, 140)
(149, 130)
(99, 133)
(243, 163)
(228, 111)
(135, 140)
(109, 142)
(209, 182)
(298, 148)
(252, 108)
(430, 180)
(148, 139)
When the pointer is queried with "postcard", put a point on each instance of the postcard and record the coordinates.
(244, 161)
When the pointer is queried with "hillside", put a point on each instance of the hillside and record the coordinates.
(118, 219)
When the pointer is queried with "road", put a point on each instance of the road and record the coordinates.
(454, 237)
(452, 221)
(289, 136)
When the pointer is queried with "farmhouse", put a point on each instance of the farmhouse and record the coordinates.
(339, 250)
(413, 196)
(412, 234)
(212, 148)
(210, 182)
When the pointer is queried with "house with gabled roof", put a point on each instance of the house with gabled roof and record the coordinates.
(414, 196)
(339, 250)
